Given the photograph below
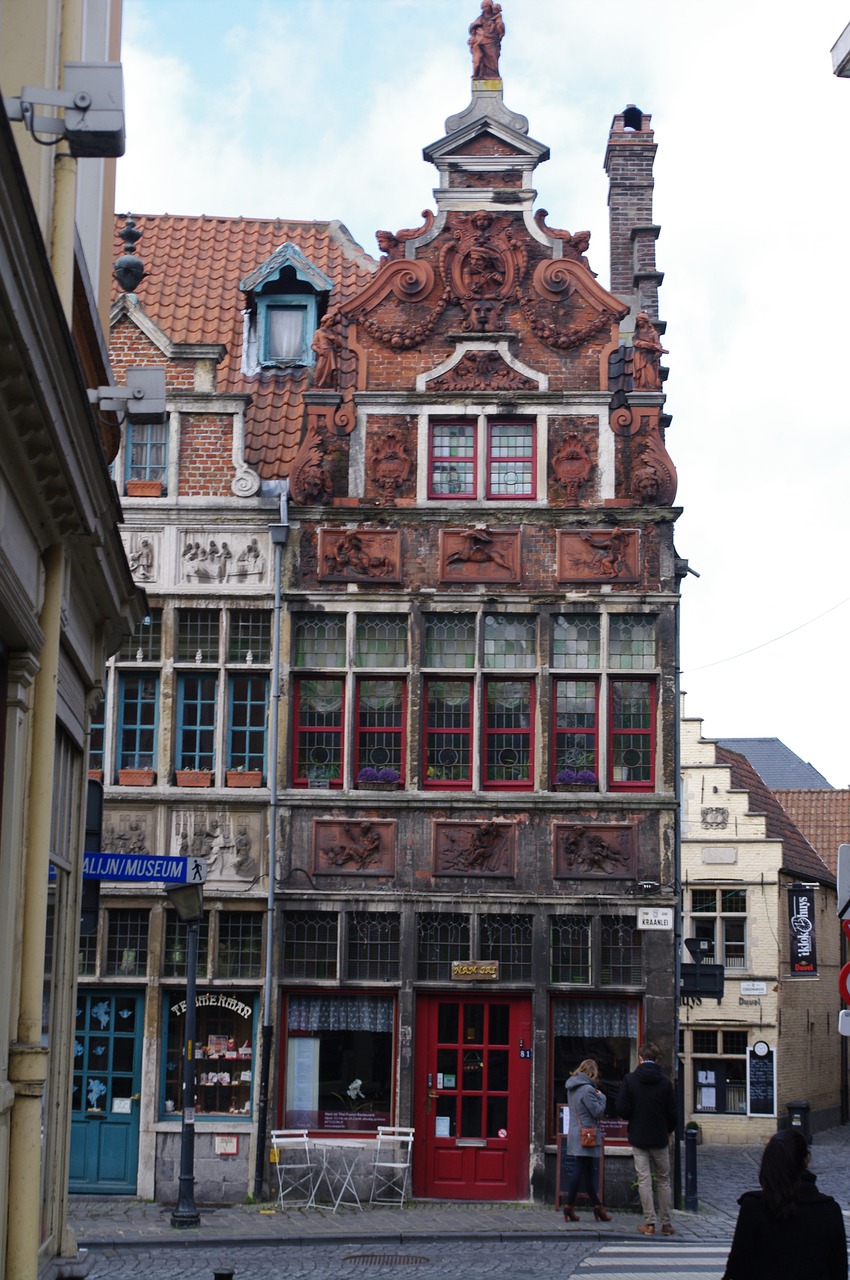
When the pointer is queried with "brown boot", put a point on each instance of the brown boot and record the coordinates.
(570, 1214)
(600, 1213)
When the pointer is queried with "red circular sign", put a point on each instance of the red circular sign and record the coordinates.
(844, 984)
(845, 925)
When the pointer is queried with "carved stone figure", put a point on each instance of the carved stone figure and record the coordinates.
(348, 555)
(575, 244)
(607, 552)
(390, 246)
(327, 345)
(485, 41)
(646, 369)
(360, 846)
(482, 267)
(482, 848)
(142, 562)
(391, 464)
(244, 863)
(583, 850)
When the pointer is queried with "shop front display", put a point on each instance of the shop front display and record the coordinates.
(223, 1057)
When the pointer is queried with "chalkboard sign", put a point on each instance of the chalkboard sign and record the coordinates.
(567, 1164)
(761, 1081)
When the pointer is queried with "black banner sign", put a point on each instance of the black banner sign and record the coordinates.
(801, 921)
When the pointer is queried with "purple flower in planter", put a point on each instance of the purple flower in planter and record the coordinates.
(368, 775)
(388, 775)
(587, 775)
(566, 776)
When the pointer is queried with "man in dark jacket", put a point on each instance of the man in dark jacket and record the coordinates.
(646, 1100)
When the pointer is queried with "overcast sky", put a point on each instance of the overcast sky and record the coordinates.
(321, 108)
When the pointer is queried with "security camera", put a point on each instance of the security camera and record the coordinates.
(142, 400)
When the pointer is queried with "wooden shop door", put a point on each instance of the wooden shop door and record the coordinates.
(472, 1095)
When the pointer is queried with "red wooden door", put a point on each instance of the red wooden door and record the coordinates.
(473, 1073)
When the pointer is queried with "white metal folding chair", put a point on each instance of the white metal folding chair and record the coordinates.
(294, 1165)
(391, 1165)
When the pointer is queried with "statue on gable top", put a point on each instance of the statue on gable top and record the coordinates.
(485, 41)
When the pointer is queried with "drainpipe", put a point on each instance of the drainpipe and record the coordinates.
(27, 1054)
(64, 221)
(677, 922)
(279, 534)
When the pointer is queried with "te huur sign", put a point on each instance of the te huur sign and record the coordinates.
(466, 970)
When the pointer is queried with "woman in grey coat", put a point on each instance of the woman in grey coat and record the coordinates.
(587, 1107)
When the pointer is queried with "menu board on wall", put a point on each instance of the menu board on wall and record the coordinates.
(761, 1081)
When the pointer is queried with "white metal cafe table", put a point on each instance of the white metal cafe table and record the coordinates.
(338, 1173)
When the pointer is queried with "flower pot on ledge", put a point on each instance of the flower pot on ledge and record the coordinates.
(244, 778)
(135, 777)
(144, 488)
(576, 786)
(378, 786)
(194, 777)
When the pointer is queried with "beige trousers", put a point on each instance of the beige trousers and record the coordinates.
(649, 1160)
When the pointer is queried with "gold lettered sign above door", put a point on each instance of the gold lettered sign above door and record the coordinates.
(475, 970)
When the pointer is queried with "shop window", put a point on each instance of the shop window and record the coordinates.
(621, 956)
(569, 949)
(440, 940)
(605, 1030)
(318, 714)
(720, 1071)
(176, 935)
(507, 939)
(240, 944)
(372, 950)
(127, 943)
(719, 917)
(138, 703)
(339, 1056)
(310, 944)
(380, 726)
(224, 1055)
(147, 452)
(196, 707)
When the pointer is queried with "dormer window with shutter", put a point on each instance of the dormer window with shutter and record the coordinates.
(285, 296)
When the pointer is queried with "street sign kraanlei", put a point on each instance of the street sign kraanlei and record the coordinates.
(143, 867)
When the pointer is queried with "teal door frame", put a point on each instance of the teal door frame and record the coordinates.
(106, 1088)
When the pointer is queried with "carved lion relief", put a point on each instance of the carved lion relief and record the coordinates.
(355, 846)
(594, 851)
(474, 848)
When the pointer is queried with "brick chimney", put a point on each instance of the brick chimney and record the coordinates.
(628, 162)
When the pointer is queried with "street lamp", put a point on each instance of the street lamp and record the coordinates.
(188, 902)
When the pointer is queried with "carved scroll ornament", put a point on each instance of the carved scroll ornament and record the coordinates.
(482, 371)
(392, 244)
(574, 245)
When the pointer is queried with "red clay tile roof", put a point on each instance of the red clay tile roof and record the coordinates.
(193, 267)
(799, 858)
(822, 816)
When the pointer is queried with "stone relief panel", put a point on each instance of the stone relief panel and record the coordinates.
(144, 554)
(714, 818)
(359, 555)
(594, 851)
(480, 555)
(206, 558)
(128, 831)
(598, 555)
(231, 842)
(359, 847)
(474, 849)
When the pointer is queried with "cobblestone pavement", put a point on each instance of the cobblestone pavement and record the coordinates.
(127, 1238)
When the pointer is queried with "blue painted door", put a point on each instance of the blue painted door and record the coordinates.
(105, 1101)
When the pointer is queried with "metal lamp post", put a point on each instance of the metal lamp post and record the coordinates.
(188, 902)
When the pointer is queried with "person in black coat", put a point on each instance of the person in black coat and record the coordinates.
(647, 1101)
(788, 1229)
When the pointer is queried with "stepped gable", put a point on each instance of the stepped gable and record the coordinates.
(799, 858)
(190, 290)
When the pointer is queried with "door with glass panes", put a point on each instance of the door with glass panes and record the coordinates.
(105, 1099)
(472, 1094)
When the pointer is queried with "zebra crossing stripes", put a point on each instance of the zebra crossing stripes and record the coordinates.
(656, 1261)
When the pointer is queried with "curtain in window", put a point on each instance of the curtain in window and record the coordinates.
(340, 1013)
(286, 328)
(599, 1018)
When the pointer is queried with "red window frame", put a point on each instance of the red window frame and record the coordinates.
(436, 458)
(429, 733)
(561, 736)
(530, 425)
(616, 733)
(299, 727)
(489, 733)
(362, 731)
